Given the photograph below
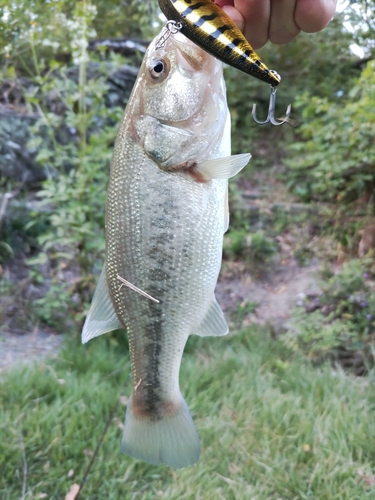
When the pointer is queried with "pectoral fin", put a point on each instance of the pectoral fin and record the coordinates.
(102, 317)
(223, 168)
(213, 324)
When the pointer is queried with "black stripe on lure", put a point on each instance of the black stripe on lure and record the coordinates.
(207, 25)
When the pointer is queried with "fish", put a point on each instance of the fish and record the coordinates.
(166, 214)
(207, 24)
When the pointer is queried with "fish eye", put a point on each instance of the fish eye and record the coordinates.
(159, 69)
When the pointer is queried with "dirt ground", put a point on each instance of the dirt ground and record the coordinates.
(276, 292)
(30, 346)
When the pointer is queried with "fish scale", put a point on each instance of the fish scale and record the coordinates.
(155, 272)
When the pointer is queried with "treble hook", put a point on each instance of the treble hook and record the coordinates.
(271, 111)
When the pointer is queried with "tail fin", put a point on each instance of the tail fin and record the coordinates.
(172, 440)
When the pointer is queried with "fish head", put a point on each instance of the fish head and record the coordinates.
(181, 96)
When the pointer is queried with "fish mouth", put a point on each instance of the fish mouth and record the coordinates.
(190, 57)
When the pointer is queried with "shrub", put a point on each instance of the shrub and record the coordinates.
(341, 324)
(335, 158)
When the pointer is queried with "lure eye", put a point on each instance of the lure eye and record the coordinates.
(159, 69)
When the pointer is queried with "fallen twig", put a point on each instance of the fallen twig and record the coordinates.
(24, 481)
(87, 471)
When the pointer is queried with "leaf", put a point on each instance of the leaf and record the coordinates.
(124, 400)
(73, 492)
(370, 480)
(119, 424)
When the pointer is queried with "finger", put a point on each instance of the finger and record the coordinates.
(312, 16)
(221, 3)
(256, 14)
(282, 27)
(235, 15)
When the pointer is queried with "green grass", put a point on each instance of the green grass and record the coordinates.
(272, 427)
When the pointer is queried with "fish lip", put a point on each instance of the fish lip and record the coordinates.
(193, 56)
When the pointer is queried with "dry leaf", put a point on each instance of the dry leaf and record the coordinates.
(61, 381)
(88, 453)
(370, 480)
(233, 468)
(42, 495)
(124, 400)
(119, 424)
(46, 467)
(71, 473)
(73, 492)
(306, 448)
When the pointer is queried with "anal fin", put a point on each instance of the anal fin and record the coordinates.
(213, 324)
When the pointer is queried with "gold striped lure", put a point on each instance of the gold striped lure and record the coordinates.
(207, 25)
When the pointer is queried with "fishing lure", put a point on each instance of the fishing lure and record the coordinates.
(207, 25)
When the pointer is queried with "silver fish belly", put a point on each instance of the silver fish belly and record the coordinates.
(165, 220)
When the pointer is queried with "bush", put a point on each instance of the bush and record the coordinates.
(253, 247)
(341, 324)
(73, 144)
(335, 158)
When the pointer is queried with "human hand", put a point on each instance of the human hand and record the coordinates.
(279, 21)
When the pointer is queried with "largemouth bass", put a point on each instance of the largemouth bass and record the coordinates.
(165, 218)
(207, 24)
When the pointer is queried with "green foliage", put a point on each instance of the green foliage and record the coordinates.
(73, 144)
(132, 18)
(33, 32)
(320, 64)
(335, 158)
(271, 426)
(6, 251)
(253, 247)
(72, 139)
(41, 39)
(362, 16)
(342, 328)
(241, 311)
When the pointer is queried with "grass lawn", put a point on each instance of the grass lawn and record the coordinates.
(272, 427)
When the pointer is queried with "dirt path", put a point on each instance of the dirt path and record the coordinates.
(276, 293)
(20, 348)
